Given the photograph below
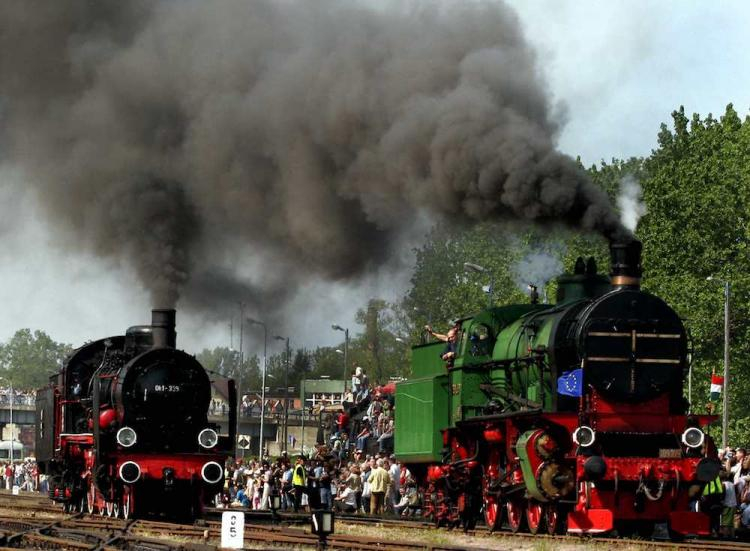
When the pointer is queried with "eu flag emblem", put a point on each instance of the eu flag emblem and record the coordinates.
(570, 383)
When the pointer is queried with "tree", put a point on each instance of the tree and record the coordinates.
(225, 362)
(698, 225)
(29, 358)
(377, 349)
(443, 290)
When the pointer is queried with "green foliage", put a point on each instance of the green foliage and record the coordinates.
(697, 194)
(377, 349)
(29, 358)
(225, 362)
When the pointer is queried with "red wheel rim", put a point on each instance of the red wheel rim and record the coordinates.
(551, 517)
(492, 511)
(534, 516)
(515, 515)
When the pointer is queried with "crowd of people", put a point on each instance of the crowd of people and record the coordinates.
(23, 474)
(728, 499)
(352, 470)
(372, 485)
(20, 397)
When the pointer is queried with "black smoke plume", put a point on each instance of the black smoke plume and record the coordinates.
(304, 136)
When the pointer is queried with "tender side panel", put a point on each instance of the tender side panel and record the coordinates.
(422, 413)
(426, 361)
(45, 425)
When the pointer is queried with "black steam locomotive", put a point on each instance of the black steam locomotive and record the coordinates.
(123, 428)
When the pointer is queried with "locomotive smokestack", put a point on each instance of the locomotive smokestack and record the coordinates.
(625, 269)
(163, 325)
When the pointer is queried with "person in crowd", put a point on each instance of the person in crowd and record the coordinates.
(241, 499)
(385, 440)
(729, 505)
(354, 481)
(356, 382)
(348, 399)
(741, 465)
(326, 491)
(364, 435)
(313, 487)
(265, 499)
(346, 500)
(366, 471)
(342, 422)
(712, 502)
(364, 387)
(299, 482)
(287, 500)
(394, 472)
(380, 482)
(345, 445)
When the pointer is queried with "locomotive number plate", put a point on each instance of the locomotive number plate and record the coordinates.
(670, 453)
(166, 388)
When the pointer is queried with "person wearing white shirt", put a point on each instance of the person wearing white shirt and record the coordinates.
(346, 501)
(395, 471)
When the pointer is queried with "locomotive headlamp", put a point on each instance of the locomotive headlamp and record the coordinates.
(208, 438)
(130, 472)
(584, 436)
(693, 437)
(212, 472)
(126, 437)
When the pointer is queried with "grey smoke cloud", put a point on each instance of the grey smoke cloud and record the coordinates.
(537, 268)
(306, 135)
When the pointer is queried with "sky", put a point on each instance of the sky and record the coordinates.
(617, 69)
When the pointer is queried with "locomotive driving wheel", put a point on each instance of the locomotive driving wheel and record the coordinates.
(554, 519)
(126, 503)
(535, 516)
(90, 497)
(493, 511)
(514, 509)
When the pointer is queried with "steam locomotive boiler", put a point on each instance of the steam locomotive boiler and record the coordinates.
(562, 417)
(123, 428)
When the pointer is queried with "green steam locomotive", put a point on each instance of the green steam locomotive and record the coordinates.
(561, 417)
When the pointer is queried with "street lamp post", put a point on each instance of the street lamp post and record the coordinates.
(12, 439)
(725, 401)
(346, 348)
(471, 267)
(286, 387)
(239, 373)
(262, 383)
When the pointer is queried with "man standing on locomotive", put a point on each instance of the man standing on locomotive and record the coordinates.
(451, 338)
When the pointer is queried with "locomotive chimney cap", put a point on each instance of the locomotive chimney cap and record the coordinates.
(625, 267)
(163, 321)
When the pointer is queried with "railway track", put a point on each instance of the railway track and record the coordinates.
(39, 525)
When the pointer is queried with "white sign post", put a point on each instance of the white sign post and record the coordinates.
(233, 529)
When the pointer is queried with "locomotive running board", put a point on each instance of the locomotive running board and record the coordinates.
(592, 521)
